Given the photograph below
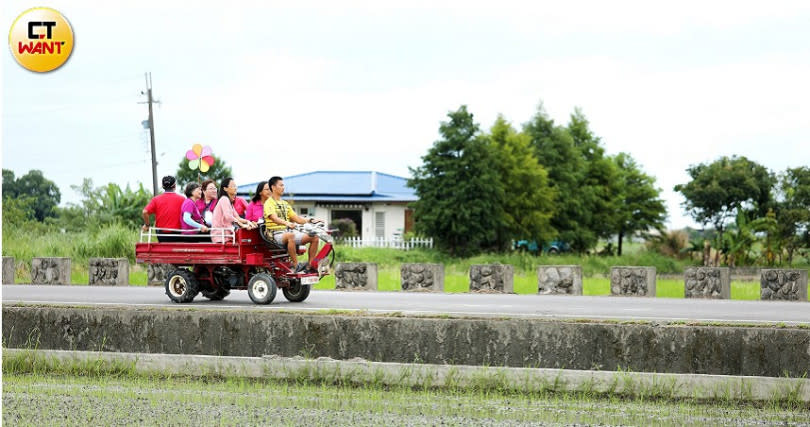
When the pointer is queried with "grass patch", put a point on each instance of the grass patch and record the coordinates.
(595, 286)
(670, 288)
(746, 290)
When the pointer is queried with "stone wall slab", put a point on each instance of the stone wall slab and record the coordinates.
(109, 271)
(492, 278)
(422, 277)
(632, 281)
(356, 276)
(50, 271)
(8, 270)
(783, 284)
(156, 274)
(559, 279)
(707, 282)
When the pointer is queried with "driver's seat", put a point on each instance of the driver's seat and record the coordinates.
(275, 246)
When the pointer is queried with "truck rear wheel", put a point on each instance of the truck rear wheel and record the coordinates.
(217, 294)
(181, 286)
(262, 288)
(296, 292)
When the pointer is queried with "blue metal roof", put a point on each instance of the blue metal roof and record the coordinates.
(354, 186)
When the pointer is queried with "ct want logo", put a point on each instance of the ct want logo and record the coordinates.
(41, 39)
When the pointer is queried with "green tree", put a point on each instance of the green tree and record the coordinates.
(640, 206)
(719, 190)
(218, 171)
(44, 193)
(9, 182)
(110, 204)
(529, 199)
(741, 236)
(460, 197)
(17, 211)
(556, 152)
(792, 211)
(582, 176)
(599, 189)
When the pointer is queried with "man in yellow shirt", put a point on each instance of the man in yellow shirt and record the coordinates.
(280, 221)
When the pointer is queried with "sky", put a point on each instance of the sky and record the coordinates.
(282, 88)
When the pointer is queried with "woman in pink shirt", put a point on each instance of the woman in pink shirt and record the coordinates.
(255, 210)
(225, 216)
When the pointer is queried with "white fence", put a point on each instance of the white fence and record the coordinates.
(357, 242)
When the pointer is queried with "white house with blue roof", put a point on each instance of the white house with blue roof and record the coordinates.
(376, 202)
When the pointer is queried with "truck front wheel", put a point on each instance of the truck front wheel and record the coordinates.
(262, 288)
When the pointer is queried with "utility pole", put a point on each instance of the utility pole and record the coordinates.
(148, 78)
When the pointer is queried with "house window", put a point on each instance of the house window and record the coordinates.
(379, 225)
(303, 211)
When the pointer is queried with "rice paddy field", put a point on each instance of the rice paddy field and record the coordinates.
(51, 398)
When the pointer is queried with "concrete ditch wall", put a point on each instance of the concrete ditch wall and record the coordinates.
(758, 351)
(526, 380)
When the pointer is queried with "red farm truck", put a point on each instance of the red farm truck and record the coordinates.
(247, 260)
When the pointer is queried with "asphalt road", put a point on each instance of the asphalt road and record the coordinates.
(498, 305)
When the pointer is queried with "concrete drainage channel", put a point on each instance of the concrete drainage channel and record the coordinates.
(675, 386)
(520, 347)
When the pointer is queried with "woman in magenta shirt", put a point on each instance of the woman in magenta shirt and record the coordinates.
(191, 220)
(255, 210)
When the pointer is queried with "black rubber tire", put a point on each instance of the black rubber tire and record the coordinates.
(553, 251)
(296, 292)
(181, 286)
(262, 288)
(216, 295)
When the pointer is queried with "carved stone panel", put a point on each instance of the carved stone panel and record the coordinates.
(559, 279)
(8, 270)
(632, 281)
(492, 278)
(109, 271)
(707, 282)
(356, 275)
(50, 271)
(156, 274)
(783, 284)
(422, 277)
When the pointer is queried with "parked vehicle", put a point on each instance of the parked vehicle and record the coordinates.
(552, 248)
(248, 261)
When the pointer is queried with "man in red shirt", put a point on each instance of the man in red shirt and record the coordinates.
(166, 208)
